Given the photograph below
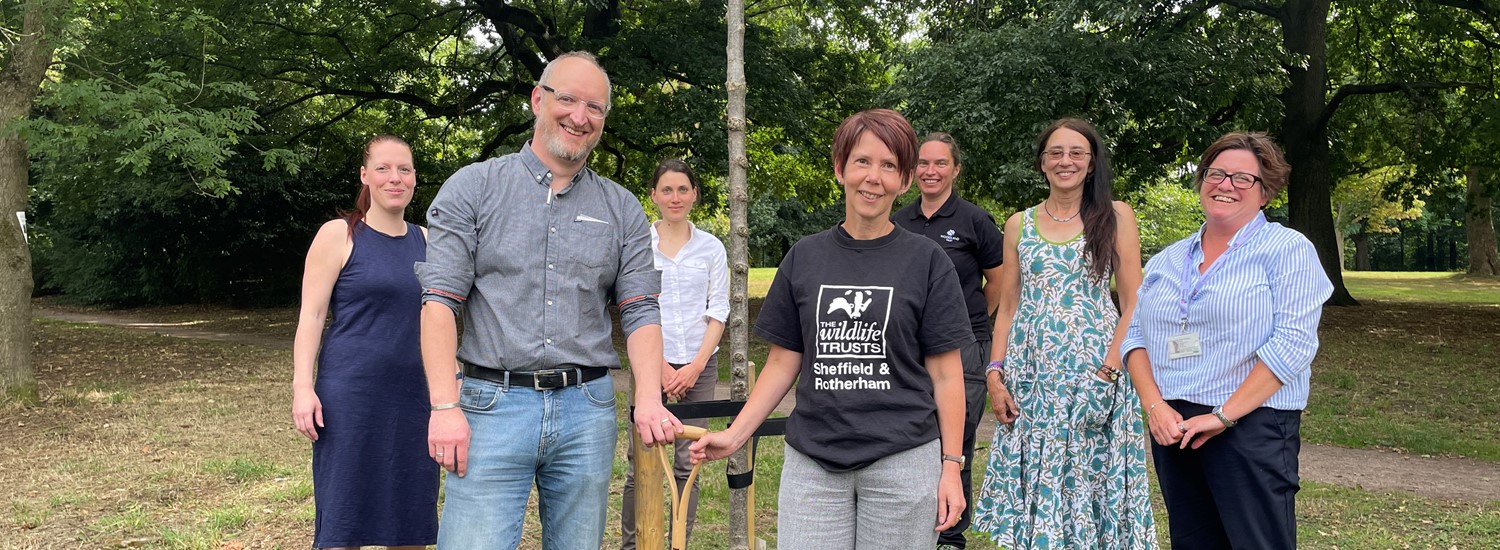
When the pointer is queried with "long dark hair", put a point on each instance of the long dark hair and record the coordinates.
(362, 203)
(1098, 208)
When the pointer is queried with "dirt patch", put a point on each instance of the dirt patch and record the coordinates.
(201, 325)
(149, 440)
(1446, 478)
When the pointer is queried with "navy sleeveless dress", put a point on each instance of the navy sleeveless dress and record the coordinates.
(373, 483)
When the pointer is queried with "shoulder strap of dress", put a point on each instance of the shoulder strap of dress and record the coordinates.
(1028, 222)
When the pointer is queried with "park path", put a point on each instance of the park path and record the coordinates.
(1370, 469)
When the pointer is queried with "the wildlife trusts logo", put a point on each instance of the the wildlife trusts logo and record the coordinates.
(852, 321)
(949, 236)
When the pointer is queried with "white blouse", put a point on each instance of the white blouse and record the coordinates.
(694, 289)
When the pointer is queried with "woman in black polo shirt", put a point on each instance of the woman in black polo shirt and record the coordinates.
(868, 320)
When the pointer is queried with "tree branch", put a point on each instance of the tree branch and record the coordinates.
(505, 133)
(330, 122)
(1257, 7)
(296, 32)
(1348, 90)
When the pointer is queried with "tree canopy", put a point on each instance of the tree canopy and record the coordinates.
(185, 151)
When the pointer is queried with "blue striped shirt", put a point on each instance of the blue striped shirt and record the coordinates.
(1263, 303)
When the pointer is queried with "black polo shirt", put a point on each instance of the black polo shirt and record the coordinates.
(969, 235)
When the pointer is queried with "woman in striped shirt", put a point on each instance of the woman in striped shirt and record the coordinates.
(1219, 347)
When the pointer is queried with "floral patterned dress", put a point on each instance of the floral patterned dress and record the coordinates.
(1071, 471)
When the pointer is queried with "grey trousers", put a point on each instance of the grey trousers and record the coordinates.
(682, 465)
(891, 504)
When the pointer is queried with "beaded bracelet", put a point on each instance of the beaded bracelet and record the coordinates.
(997, 365)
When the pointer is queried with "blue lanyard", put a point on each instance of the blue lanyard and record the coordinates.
(1190, 293)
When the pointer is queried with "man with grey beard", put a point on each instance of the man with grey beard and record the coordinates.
(531, 248)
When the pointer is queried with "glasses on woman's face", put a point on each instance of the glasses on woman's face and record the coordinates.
(1240, 180)
(570, 103)
(1074, 155)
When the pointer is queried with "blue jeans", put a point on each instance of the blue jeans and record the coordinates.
(562, 440)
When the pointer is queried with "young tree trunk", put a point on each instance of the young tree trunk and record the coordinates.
(739, 260)
(20, 81)
(1339, 238)
(1479, 223)
(1304, 25)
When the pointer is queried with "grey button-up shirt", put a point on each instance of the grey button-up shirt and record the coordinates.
(532, 272)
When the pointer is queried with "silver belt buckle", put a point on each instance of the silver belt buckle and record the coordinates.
(549, 379)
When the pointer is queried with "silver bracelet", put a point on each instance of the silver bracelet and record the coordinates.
(444, 406)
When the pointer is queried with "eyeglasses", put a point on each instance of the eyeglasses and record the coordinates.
(1240, 180)
(1057, 154)
(570, 103)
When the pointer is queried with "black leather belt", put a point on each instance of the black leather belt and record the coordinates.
(538, 380)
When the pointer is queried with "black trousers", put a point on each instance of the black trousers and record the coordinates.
(975, 359)
(1239, 489)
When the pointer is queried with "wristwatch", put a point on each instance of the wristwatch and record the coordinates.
(955, 458)
(1218, 412)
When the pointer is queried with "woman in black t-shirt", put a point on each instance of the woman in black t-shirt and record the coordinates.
(868, 320)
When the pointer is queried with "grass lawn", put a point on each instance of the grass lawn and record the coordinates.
(1409, 286)
(156, 442)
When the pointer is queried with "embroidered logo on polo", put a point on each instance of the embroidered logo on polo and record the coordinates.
(949, 236)
(850, 349)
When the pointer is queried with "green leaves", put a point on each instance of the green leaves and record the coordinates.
(145, 124)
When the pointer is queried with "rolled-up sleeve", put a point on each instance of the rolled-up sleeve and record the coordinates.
(638, 282)
(718, 286)
(447, 276)
(1298, 287)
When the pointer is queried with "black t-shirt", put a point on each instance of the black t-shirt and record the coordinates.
(864, 314)
(969, 235)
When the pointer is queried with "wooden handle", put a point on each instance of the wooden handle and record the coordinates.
(692, 432)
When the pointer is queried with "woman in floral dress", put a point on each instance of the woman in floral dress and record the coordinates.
(1067, 467)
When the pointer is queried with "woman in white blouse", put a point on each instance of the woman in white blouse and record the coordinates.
(694, 304)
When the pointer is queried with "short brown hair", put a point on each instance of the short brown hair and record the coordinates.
(1273, 167)
(886, 125)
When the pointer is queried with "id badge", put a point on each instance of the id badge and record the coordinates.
(1183, 345)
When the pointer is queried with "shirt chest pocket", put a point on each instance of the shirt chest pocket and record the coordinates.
(688, 280)
(592, 244)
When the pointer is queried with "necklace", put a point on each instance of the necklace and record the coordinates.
(1057, 219)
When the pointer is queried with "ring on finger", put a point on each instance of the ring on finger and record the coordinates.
(1182, 426)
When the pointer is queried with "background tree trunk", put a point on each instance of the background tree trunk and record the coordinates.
(739, 260)
(1479, 223)
(1304, 133)
(1362, 252)
(20, 81)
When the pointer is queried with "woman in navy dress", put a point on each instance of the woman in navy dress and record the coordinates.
(366, 409)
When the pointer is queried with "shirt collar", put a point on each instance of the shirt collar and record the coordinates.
(1197, 239)
(541, 174)
(656, 239)
(947, 209)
